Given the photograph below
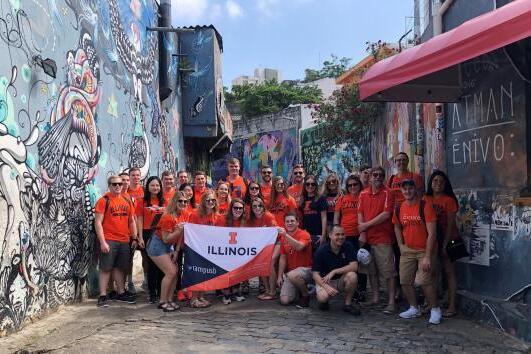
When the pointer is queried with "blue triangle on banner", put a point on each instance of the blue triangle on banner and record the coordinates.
(198, 269)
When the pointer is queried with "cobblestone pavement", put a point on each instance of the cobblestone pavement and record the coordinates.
(249, 327)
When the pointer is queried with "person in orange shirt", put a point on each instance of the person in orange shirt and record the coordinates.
(259, 217)
(168, 185)
(149, 210)
(188, 191)
(253, 192)
(237, 184)
(415, 227)
(135, 191)
(205, 214)
(200, 186)
(163, 248)
(295, 190)
(266, 184)
(403, 173)
(233, 218)
(346, 215)
(114, 224)
(295, 265)
(281, 202)
(376, 229)
(223, 197)
(441, 194)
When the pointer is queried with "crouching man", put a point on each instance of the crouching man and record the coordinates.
(296, 258)
(334, 271)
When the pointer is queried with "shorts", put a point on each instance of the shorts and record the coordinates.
(410, 270)
(119, 256)
(156, 247)
(339, 284)
(288, 289)
(382, 262)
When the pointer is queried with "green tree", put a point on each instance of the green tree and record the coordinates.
(333, 67)
(271, 96)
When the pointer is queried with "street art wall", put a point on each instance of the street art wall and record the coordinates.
(61, 137)
(322, 154)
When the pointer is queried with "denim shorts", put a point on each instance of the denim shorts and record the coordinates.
(156, 247)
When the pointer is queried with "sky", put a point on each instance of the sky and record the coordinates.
(292, 35)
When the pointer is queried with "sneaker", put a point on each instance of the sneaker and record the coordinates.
(112, 295)
(353, 309)
(153, 299)
(324, 306)
(131, 288)
(102, 301)
(304, 302)
(412, 312)
(239, 298)
(126, 297)
(311, 289)
(390, 309)
(435, 315)
(226, 300)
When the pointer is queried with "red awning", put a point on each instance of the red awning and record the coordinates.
(429, 72)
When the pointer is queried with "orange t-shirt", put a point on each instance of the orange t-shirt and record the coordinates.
(295, 191)
(281, 206)
(395, 181)
(209, 219)
(148, 213)
(238, 187)
(168, 222)
(222, 221)
(302, 258)
(371, 205)
(267, 220)
(265, 189)
(168, 195)
(136, 193)
(116, 218)
(414, 230)
(223, 208)
(198, 193)
(347, 206)
(443, 205)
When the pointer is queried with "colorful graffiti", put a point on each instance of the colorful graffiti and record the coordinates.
(322, 155)
(60, 138)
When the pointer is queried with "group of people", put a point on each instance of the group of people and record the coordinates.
(331, 239)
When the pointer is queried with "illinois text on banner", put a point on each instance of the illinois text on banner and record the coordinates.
(219, 257)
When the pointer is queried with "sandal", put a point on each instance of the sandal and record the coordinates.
(449, 314)
(266, 297)
(175, 305)
(197, 304)
(167, 307)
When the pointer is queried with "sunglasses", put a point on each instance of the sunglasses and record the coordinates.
(378, 174)
(116, 184)
(254, 188)
(237, 208)
(211, 200)
(352, 185)
(258, 206)
(298, 173)
(267, 172)
(331, 182)
(311, 184)
(184, 201)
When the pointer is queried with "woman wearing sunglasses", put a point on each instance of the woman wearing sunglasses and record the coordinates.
(233, 218)
(313, 210)
(253, 191)
(259, 217)
(161, 248)
(223, 197)
(205, 214)
(331, 191)
(149, 210)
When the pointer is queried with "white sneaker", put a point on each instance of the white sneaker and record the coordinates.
(435, 316)
(412, 312)
(226, 300)
(240, 298)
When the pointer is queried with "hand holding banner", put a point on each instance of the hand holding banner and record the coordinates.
(219, 257)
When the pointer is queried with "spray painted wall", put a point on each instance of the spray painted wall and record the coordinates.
(60, 138)
(322, 155)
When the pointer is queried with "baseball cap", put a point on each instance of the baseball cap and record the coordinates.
(364, 257)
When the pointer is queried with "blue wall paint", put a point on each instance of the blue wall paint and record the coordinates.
(60, 138)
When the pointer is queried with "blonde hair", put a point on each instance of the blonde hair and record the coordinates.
(202, 209)
(174, 207)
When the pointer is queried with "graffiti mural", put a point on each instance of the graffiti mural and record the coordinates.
(61, 137)
(322, 155)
